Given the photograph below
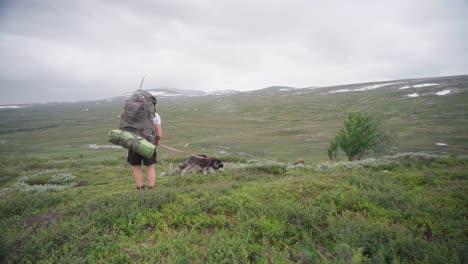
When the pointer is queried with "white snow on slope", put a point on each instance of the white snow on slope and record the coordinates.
(375, 86)
(418, 85)
(11, 106)
(444, 92)
(425, 84)
(164, 94)
(413, 95)
(441, 144)
(365, 88)
(342, 91)
(223, 92)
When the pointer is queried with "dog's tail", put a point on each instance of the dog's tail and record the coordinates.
(170, 169)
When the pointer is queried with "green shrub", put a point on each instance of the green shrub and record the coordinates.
(7, 174)
(38, 165)
(332, 150)
(37, 180)
(42, 188)
(44, 181)
(227, 249)
(268, 169)
(361, 134)
(62, 179)
(350, 212)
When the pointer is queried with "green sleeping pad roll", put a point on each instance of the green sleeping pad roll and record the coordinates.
(132, 141)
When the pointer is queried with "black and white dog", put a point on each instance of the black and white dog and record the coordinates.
(208, 164)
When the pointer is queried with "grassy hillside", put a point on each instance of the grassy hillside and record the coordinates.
(282, 126)
(411, 209)
(63, 202)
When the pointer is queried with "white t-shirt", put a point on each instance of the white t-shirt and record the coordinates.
(156, 119)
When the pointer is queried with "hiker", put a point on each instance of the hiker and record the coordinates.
(135, 159)
(140, 118)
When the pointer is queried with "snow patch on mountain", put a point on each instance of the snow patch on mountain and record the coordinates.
(375, 86)
(164, 94)
(417, 85)
(223, 92)
(365, 88)
(444, 92)
(11, 106)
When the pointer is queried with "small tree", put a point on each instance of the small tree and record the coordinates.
(333, 150)
(361, 134)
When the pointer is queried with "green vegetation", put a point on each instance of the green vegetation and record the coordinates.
(284, 127)
(407, 208)
(362, 133)
(64, 202)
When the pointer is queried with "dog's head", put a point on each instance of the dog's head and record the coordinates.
(217, 164)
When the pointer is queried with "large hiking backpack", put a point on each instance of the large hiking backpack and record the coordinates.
(138, 115)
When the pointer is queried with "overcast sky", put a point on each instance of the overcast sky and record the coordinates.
(59, 50)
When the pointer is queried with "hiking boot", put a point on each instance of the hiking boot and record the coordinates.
(141, 188)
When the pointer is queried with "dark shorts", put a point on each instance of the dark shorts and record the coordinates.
(135, 159)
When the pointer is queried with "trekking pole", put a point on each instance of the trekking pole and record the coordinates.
(176, 150)
(141, 84)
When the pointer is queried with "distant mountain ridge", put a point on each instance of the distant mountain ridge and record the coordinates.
(430, 84)
(445, 85)
(412, 87)
(274, 89)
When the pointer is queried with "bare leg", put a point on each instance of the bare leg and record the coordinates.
(138, 176)
(151, 175)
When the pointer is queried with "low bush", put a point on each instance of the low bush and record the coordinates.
(257, 212)
(267, 169)
(37, 180)
(392, 162)
(44, 181)
(24, 187)
(7, 174)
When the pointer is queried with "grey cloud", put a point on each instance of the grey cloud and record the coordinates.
(51, 47)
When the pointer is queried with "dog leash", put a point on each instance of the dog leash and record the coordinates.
(176, 150)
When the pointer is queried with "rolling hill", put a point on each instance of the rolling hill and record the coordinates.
(282, 123)
(68, 196)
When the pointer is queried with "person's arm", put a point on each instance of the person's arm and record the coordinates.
(158, 132)
(157, 128)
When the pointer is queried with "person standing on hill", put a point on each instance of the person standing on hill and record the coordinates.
(136, 159)
(140, 118)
